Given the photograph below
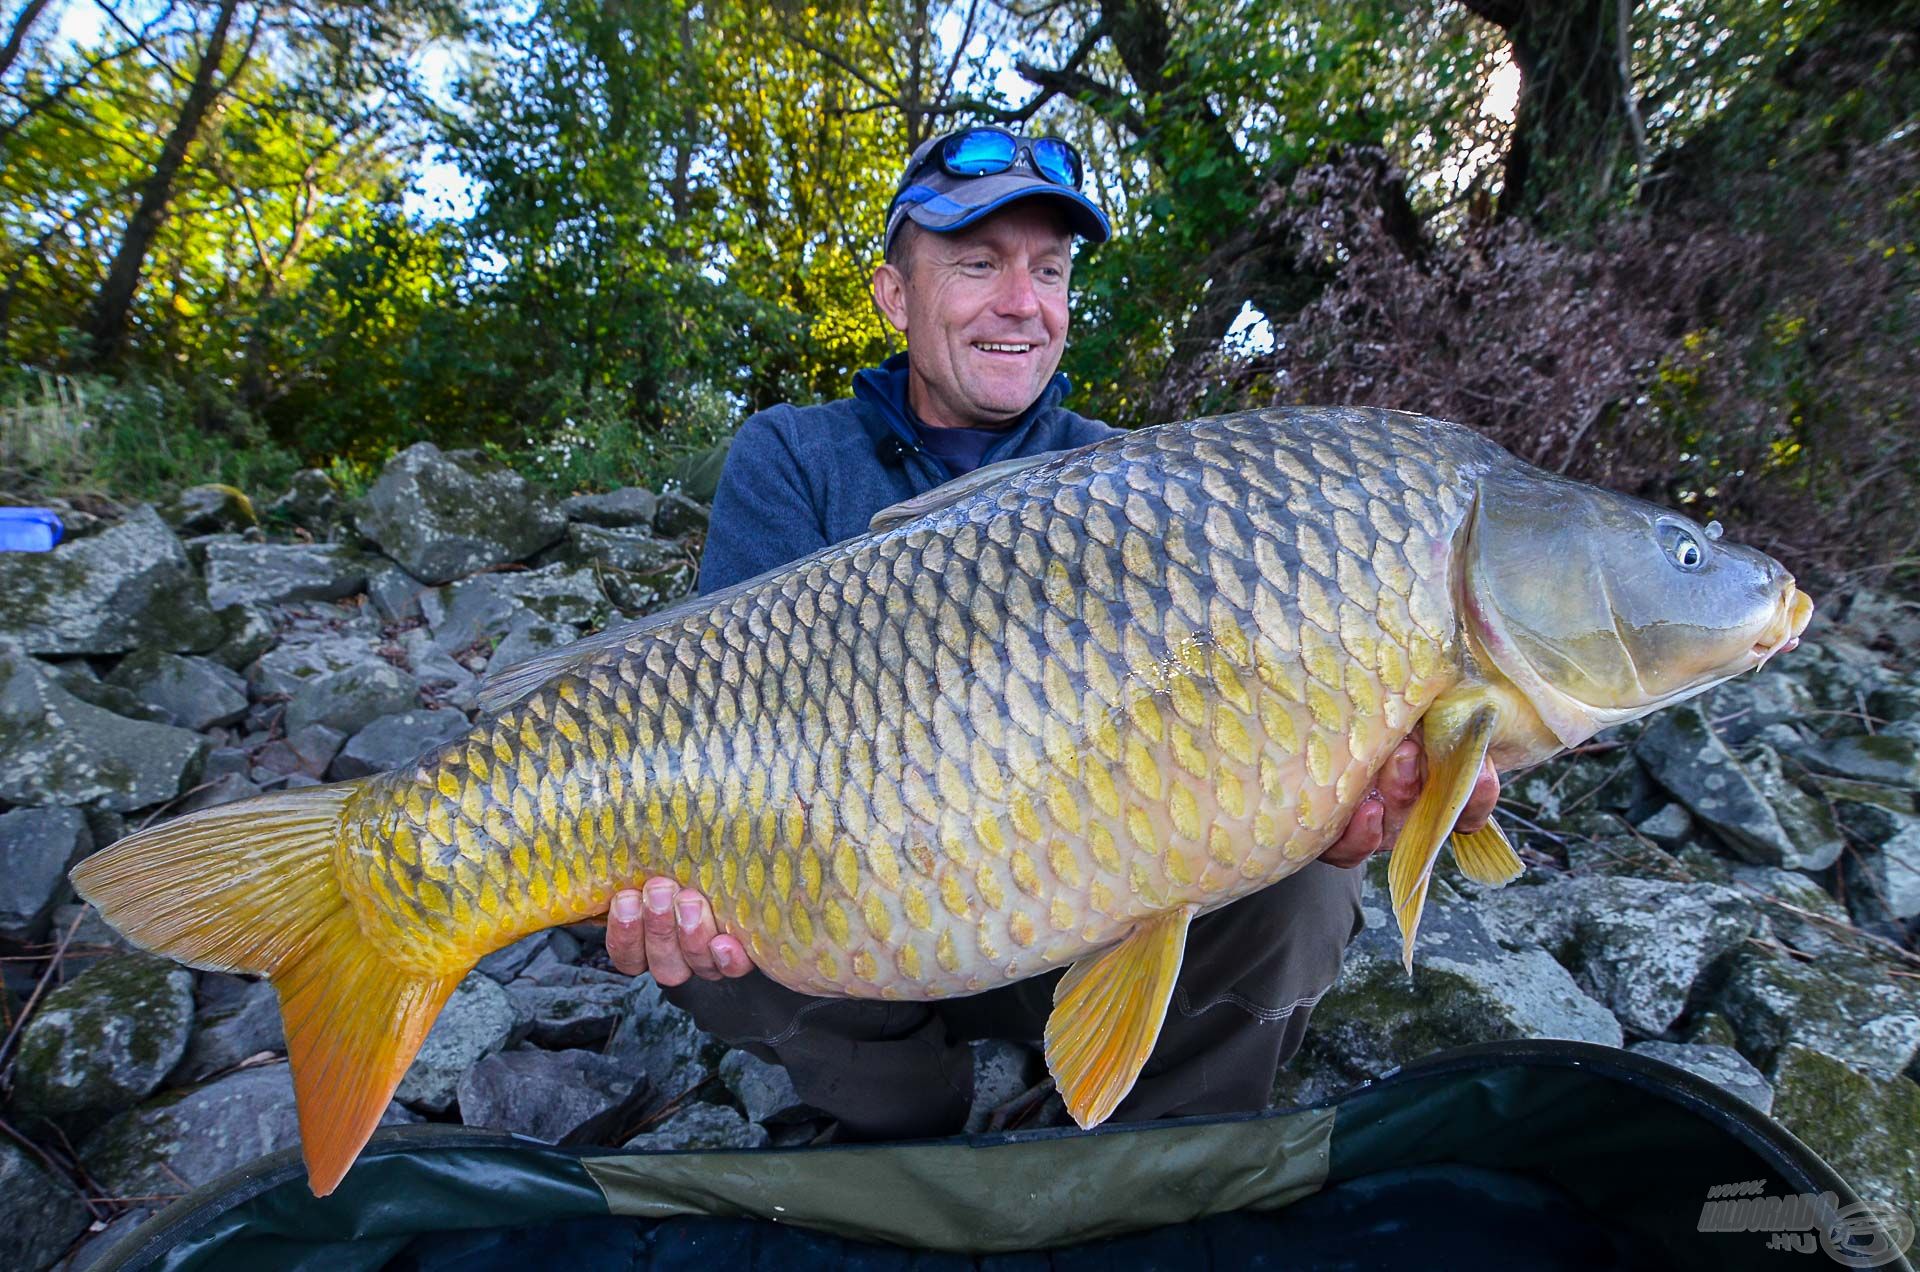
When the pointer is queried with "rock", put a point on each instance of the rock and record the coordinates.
(1722, 1066)
(79, 680)
(1734, 799)
(395, 593)
(486, 608)
(96, 1247)
(1741, 709)
(1464, 988)
(1798, 911)
(276, 573)
(1636, 945)
(1885, 758)
(105, 1039)
(56, 749)
(312, 501)
(1843, 1008)
(1711, 1029)
(505, 963)
(529, 637)
(92, 941)
(393, 740)
(128, 586)
(617, 510)
(194, 693)
(1669, 826)
(764, 1090)
(679, 515)
(581, 1014)
(308, 750)
(44, 1214)
(1866, 1128)
(635, 551)
(185, 1139)
(445, 516)
(700, 1126)
(37, 848)
(245, 634)
(477, 1021)
(351, 699)
(234, 1019)
(549, 1095)
(658, 1039)
(1309, 1078)
(1002, 1070)
(1884, 883)
(442, 680)
(209, 509)
(303, 658)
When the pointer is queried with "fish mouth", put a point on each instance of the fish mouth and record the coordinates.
(1782, 633)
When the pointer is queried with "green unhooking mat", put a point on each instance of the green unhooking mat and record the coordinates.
(1536, 1155)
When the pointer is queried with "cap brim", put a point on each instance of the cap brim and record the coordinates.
(944, 211)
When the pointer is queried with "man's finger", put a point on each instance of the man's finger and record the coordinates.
(1399, 779)
(1362, 837)
(694, 917)
(730, 956)
(664, 958)
(1479, 807)
(626, 943)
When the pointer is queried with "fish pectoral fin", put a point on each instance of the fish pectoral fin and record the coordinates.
(1107, 1013)
(1457, 733)
(1486, 857)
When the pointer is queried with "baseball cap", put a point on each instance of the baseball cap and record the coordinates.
(941, 201)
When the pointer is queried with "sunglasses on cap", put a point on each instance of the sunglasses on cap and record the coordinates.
(984, 151)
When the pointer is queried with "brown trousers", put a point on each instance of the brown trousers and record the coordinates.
(1251, 976)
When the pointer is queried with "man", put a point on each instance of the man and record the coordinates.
(978, 257)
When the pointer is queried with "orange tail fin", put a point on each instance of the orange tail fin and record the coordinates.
(250, 887)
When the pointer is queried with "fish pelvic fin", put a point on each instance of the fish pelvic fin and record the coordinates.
(1486, 857)
(1458, 729)
(250, 887)
(1107, 1014)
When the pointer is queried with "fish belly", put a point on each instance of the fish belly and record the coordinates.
(1156, 672)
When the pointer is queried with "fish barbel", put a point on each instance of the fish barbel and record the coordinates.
(1039, 717)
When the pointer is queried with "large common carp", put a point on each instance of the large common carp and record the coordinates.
(1036, 718)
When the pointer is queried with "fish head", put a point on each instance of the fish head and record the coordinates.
(1600, 608)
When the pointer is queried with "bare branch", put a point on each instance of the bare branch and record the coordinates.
(17, 37)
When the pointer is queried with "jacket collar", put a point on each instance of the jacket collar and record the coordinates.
(884, 390)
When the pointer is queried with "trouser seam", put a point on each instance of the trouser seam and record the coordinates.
(1266, 1015)
(794, 1025)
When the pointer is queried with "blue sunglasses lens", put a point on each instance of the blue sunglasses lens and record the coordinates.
(1056, 161)
(976, 154)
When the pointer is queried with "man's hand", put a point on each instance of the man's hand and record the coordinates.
(1378, 820)
(669, 930)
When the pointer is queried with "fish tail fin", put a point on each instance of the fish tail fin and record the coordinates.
(250, 887)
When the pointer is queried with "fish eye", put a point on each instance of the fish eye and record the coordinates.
(1683, 548)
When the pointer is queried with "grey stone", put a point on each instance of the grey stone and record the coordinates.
(224, 789)
(1736, 800)
(699, 1126)
(1711, 1029)
(37, 848)
(308, 749)
(764, 1090)
(303, 658)
(636, 551)
(276, 573)
(1866, 1128)
(312, 501)
(128, 586)
(1002, 1070)
(395, 594)
(78, 679)
(617, 509)
(393, 740)
(1741, 709)
(529, 637)
(245, 634)
(477, 1021)
(679, 515)
(44, 1214)
(209, 509)
(56, 749)
(1798, 911)
(1722, 1066)
(105, 1039)
(547, 1095)
(1464, 988)
(194, 693)
(1840, 1007)
(1636, 945)
(99, 1244)
(351, 699)
(505, 963)
(660, 1040)
(1669, 826)
(234, 1020)
(185, 1139)
(485, 608)
(441, 678)
(582, 1013)
(1883, 883)
(1885, 758)
(444, 516)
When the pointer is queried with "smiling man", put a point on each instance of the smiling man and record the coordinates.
(978, 261)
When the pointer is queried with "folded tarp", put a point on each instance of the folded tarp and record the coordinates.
(1539, 1154)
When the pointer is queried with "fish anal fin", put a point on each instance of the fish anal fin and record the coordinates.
(353, 1023)
(1457, 731)
(1107, 1014)
(1486, 857)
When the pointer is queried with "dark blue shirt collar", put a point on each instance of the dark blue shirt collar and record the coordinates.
(884, 390)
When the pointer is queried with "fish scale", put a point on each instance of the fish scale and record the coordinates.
(1156, 672)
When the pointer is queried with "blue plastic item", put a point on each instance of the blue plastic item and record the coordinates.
(29, 529)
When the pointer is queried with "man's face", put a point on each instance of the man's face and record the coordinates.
(984, 313)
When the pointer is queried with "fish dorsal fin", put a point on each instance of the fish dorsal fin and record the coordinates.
(1486, 857)
(952, 492)
(1457, 732)
(1107, 1013)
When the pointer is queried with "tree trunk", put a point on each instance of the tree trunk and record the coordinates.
(112, 308)
(17, 37)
